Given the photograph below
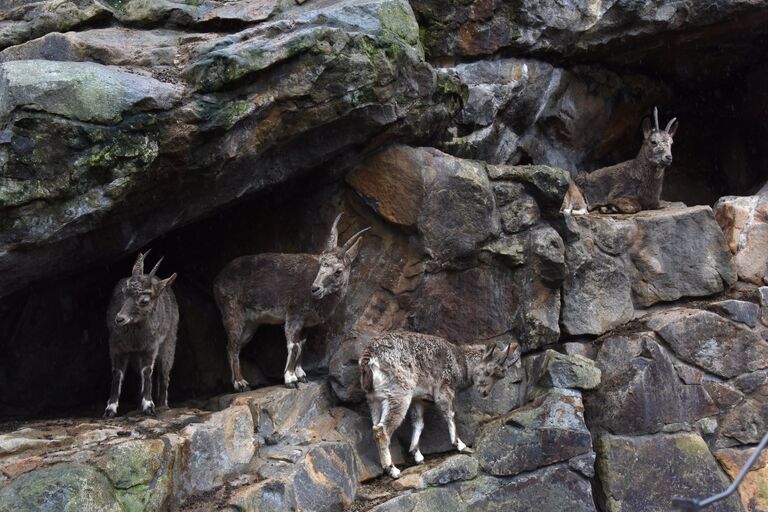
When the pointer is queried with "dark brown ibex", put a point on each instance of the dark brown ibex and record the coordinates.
(630, 186)
(402, 369)
(296, 290)
(142, 319)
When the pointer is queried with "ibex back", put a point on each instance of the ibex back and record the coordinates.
(402, 369)
(142, 319)
(296, 290)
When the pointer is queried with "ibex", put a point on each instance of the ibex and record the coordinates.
(630, 186)
(143, 319)
(296, 290)
(402, 368)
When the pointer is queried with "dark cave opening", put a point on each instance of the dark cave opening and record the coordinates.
(53, 337)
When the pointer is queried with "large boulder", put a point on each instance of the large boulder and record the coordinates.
(208, 118)
(711, 342)
(620, 263)
(641, 392)
(547, 431)
(555, 488)
(477, 28)
(575, 118)
(745, 223)
(644, 474)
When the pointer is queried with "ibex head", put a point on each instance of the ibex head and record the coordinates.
(657, 143)
(492, 367)
(336, 262)
(140, 292)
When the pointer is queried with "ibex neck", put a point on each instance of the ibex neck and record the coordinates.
(469, 355)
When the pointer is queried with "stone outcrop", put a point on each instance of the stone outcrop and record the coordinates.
(632, 262)
(745, 223)
(222, 107)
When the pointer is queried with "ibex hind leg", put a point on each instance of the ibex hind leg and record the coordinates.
(163, 369)
(238, 335)
(293, 341)
(417, 421)
(393, 413)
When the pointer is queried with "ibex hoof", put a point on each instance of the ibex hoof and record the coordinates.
(393, 472)
(148, 407)
(303, 379)
(292, 385)
(109, 413)
(241, 385)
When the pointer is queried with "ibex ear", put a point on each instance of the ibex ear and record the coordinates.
(351, 254)
(165, 283)
(138, 267)
(510, 349)
(488, 354)
(647, 129)
(672, 127)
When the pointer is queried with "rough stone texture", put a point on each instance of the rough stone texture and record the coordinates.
(556, 370)
(547, 431)
(554, 488)
(574, 119)
(745, 223)
(711, 342)
(640, 260)
(754, 489)
(60, 487)
(641, 392)
(663, 466)
(565, 28)
(213, 116)
(458, 467)
(324, 479)
(215, 450)
(448, 200)
(737, 310)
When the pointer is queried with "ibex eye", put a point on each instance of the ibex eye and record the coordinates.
(338, 271)
(144, 300)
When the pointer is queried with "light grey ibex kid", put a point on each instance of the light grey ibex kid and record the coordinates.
(402, 369)
(630, 186)
(297, 290)
(142, 319)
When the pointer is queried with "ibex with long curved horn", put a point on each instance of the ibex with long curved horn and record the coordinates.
(630, 186)
(296, 290)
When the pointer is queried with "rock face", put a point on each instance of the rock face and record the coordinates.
(664, 467)
(211, 129)
(639, 261)
(744, 222)
(217, 105)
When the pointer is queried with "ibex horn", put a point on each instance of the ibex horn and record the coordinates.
(157, 266)
(669, 124)
(333, 240)
(656, 118)
(138, 267)
(352, 240)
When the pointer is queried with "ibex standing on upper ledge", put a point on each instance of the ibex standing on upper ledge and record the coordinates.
(630, 186)
(143, 319)
(402, 367)
(297, 290)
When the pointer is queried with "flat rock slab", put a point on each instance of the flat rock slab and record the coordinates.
(711, 342)
(620, 263)
(641, 392)
(663, 467)
(551, 489)
(740, 311)
(556, 370)
(545, 432)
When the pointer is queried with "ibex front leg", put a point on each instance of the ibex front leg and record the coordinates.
(119, 364)
(445, 403)
(147, 363)
(293, 340)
